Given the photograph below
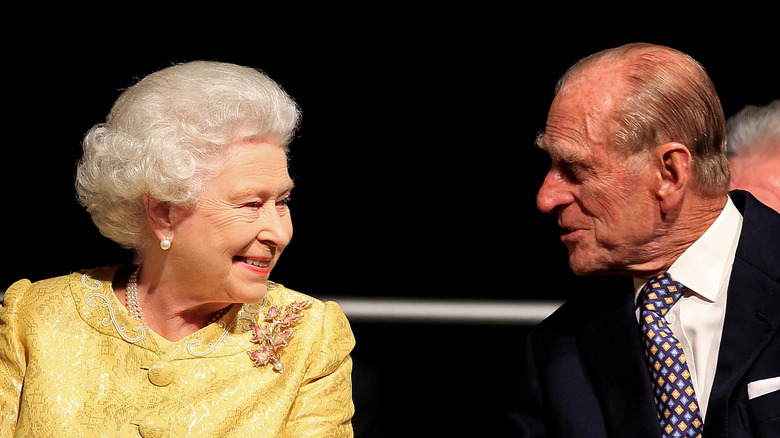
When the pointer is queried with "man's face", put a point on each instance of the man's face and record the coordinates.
(759, 173)
(604, 203)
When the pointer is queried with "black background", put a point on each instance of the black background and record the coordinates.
(415, 167)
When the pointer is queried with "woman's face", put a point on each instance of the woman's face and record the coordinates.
(228, 244)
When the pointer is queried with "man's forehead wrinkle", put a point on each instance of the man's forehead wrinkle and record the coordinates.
(565, 136)
(581, 112)
(582, 117)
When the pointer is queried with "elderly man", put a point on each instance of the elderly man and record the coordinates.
(639, 182)
(754, 152)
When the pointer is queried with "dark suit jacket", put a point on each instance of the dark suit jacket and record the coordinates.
(570, 388)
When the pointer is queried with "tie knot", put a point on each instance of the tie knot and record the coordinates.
(661, 293)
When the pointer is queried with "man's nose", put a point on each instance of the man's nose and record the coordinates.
(554, 193)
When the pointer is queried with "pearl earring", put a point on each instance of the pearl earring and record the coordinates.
(165, 244)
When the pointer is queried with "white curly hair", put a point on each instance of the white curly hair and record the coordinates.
(164, 135)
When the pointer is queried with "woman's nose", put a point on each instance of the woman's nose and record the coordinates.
(276, 229)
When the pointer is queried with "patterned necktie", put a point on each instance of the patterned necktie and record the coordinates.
(678, 408)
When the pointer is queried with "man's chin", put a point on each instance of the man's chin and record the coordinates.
(580, 267)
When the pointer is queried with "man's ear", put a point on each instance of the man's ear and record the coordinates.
(673, 161)
(158, 214)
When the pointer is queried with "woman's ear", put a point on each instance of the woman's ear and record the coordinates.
(158, 214)
(674, 173)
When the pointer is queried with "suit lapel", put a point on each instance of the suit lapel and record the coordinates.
(752, 319)
(752, 308)
(613, 355)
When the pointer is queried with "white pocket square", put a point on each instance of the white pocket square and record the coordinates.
(761, 387)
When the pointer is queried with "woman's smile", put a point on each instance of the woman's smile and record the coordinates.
(259, 265)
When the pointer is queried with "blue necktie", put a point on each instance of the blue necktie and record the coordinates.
(678, 408)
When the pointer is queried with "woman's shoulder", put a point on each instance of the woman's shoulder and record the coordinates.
(49, 290)
(26, 289)
(283, 298)
(279, 295)
(317, 322)
(325, 315)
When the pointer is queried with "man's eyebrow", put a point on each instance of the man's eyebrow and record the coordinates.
(557, 153)
(568, 156)
(287, 188)
(540, 143)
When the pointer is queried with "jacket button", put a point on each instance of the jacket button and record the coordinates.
(151, 427)
(161, 373)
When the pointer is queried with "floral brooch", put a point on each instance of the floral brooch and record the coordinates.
(272, 337)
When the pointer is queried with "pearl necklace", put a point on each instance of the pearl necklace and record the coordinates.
(134, 306)
(131, 296)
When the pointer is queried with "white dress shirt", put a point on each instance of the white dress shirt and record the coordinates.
(697, 317)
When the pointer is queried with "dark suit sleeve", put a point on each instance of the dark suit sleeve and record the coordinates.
(524, 404)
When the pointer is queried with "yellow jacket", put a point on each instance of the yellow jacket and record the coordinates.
(74, 363)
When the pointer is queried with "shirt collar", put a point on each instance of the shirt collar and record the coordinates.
(706, 265)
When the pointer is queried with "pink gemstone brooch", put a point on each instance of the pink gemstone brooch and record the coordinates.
(273, 336)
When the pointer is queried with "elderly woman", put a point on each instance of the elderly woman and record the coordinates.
(190, 172)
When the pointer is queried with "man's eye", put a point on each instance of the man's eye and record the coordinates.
(573, 171)
(283, 202)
